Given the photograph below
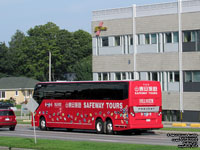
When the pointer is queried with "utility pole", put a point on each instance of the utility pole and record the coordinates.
(136, 77)
(180, 47)
(49, 66)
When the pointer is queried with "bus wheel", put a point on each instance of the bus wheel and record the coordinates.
(109, 127)
(43, 124)
(99, 126)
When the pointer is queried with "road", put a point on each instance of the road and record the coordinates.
(145, 138)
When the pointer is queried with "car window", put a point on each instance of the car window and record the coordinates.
(6, 113)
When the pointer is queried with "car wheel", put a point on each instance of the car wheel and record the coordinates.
(12, 128)
(99, 126)
(43, 124)
(109, 127)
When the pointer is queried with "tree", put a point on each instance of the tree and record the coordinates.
(14, 51)
(16, 40)
(29, 54)
(83, 69)
(5, 64)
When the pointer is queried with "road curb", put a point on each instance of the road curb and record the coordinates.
(177, 132)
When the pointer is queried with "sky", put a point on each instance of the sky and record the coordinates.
(71, 15)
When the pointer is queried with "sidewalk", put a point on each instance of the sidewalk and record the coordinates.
(182, 124)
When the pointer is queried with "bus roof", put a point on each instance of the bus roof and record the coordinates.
(94, 81)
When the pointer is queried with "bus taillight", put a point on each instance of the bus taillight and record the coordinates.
(131, 111)
(160, 111)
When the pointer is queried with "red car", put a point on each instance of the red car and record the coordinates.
(7, 119)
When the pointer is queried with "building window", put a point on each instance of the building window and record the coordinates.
(189, 36)
(104, 41)
(141, 39)
(154, 76)
(153, 39)
(148, 75)
(196, 76)
(117, 41)
(176, 76)
(147, 39)
(16, 93)
(99, 76)
(123, 76)
(2, 94)
(175, 37)
(173, 76)
(117, 76)
(188, 76)
(131, 40)
(168, 37)
(105, 76)
(131, 75)
(192, 76)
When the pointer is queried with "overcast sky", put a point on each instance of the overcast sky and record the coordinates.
(67, 14)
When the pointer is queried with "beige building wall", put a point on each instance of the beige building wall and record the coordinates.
(21, 97)
(149, 24)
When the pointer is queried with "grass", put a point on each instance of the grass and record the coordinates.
(182, 129)
(18, 106)
(44, 144)
(20, 121)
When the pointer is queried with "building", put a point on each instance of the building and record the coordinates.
(18, 88)
(153, 52)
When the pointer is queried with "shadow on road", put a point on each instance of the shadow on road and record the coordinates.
(124, 133)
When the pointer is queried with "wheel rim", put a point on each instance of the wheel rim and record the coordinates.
(43, 124)
(99, 126)
(109, 127)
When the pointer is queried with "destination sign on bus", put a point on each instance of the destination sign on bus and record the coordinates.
(143, 90)
(146, 109)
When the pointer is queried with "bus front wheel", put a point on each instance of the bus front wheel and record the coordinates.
(43, 124)
(99, 126)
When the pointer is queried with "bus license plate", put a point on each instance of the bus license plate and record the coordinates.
(148, 120)
(146, 114)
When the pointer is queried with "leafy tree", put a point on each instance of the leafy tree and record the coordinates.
(28, 55)
(5, 64)
(83, 69)
(14, 51)
(16, 40)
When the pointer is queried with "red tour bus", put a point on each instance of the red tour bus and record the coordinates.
(104, 106)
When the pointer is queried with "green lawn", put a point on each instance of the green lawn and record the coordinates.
(43, 144)
(182, 129)
(20, 121)
(18, 106)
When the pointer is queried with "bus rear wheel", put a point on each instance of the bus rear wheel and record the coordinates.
(99, 126)
(109, 127)
(43, 124)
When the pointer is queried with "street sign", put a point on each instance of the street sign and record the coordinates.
(32, 105)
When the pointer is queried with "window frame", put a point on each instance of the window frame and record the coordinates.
(103, 41)
(117, 41)
(1, 94)
(167, 36)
